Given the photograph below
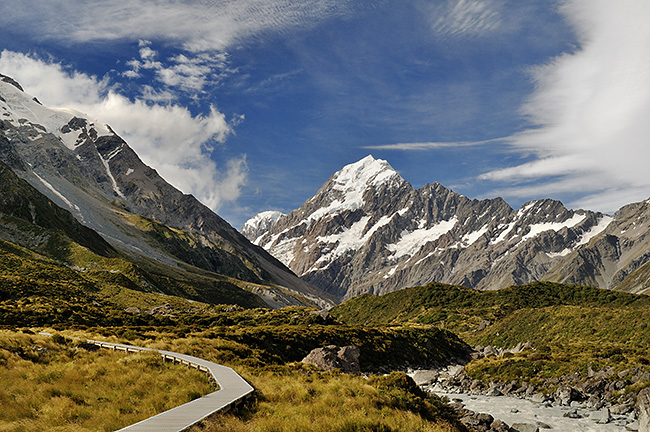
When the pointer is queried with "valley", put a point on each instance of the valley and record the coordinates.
(94, 244)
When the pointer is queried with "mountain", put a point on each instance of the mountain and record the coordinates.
(618, 258)
(367, 230)
(260, 223)
(81, 165)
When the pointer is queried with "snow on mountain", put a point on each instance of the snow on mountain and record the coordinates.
(260, 223)
(82, 165)
(368, 230)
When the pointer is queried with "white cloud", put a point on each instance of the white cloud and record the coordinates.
(188, 73)
(590, 110)
(195, 25)
(167, 137)
(467, 17)
(432, 145)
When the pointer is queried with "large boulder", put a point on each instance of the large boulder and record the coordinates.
(333, 357)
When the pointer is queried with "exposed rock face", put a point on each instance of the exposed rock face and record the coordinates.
(368, 231)
(332, 357)
(83, 166)
(618, 258)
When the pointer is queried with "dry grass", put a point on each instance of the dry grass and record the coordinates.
(298, 398)
(60, 387)
(69, 389)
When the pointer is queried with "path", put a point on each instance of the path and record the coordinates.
(232, 390)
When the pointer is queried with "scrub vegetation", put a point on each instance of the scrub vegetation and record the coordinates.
(572, 328)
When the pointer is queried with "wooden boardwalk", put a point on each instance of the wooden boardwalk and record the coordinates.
(232, 390)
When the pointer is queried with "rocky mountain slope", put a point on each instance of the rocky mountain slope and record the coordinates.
(260, 223)
(84, 167)
(367, 230)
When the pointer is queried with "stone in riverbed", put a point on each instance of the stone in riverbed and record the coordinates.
(425, 377)
(499, 426)
(525, 427)
(539, 398)
(601, 416)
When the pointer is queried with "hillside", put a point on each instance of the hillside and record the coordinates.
(82, 166)
(572, 329)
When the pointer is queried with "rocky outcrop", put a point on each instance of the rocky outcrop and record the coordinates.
(333, 357)
(367, 230)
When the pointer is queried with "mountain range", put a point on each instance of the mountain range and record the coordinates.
(108, 200)
(367, 230)
(70, 182)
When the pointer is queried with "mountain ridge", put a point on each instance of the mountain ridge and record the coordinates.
(82, 165)
(367, 230)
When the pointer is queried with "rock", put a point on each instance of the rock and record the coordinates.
(593, 386)
(132, 310)
(455, 370)
(425, 377)
(499, 426)
(493, 391)
(601, 416)
(478, 421)
(621, 409)
(332, 357)
(162, 310)
(572, 414)
(509, 388)
(565, 395)
(539, 398)
(521, 346)
(524, 427)
(595, 402)
(483, 325)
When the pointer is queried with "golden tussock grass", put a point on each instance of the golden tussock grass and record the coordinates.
(60, 387)
(299, 398)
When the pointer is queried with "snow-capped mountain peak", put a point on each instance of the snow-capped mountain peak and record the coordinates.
(260, 223)
(70, 126)
(365, 173)
(368, 230)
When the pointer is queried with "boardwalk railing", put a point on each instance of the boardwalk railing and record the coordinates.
(233, 389)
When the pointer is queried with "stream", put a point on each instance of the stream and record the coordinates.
(513, 410)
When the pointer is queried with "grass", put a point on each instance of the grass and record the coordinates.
(571, 327)
(298, 398)
(53, 384)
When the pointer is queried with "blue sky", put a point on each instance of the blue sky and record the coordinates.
(252, 104)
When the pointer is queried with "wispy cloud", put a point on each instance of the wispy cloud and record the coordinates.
(195, 25)
(590, 110)
(467, 17)
(167, 137)
(187, 73)
(432, 145)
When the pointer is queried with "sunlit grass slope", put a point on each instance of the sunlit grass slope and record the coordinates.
(571, 327)
(53, 384)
